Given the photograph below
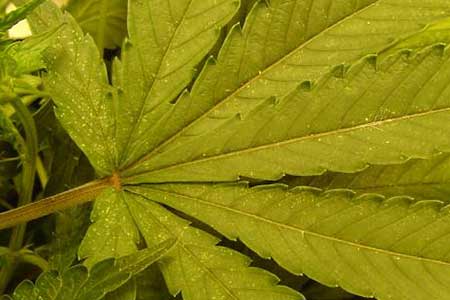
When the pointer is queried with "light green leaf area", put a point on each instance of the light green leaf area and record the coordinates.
(78, 83)
(420, 179)
(387, 249)
(280, 46)
(167, 39)
(196, 266)
(104, 20)
(113, 232)
(377, 112)
(78, 284)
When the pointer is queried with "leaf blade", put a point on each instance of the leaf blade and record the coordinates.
(105, 21)
(158, 61)
(197, 267)
(373, 248)
(113, 232)
(222, 90)
(374, 114)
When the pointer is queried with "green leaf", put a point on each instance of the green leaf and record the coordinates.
(270, 57)
(104, 20)
(184, 33)
(20, 13)
(86, 113)
(388, 249)
(78, 284)
(113, 232)
(381, 112)
(420, 179)
(166, 41)
(196, 266)
(216, 115)
(272, 103)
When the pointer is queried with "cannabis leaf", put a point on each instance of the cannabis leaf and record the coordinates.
(405, 108)
(78, 284)
(368, 246)
(250, 69)
(304, 87)
(198, 267)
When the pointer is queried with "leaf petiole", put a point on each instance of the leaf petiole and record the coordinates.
(44, 207)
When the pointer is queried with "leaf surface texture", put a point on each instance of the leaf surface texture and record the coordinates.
(376, 112)
(199, 268)
(368, 246)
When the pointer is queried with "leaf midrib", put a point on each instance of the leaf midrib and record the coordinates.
(257, 76)
(374, 124)
(389, 253)
(136, 124)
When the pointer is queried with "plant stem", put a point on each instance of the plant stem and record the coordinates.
(26, 185)
(29, 167)
(49, 205)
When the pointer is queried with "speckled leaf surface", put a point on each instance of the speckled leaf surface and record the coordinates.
(367, 245)
(197, 267)
(113, 232)
(271, 56)
(167, 39)
(379, 111)
(83, 97)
